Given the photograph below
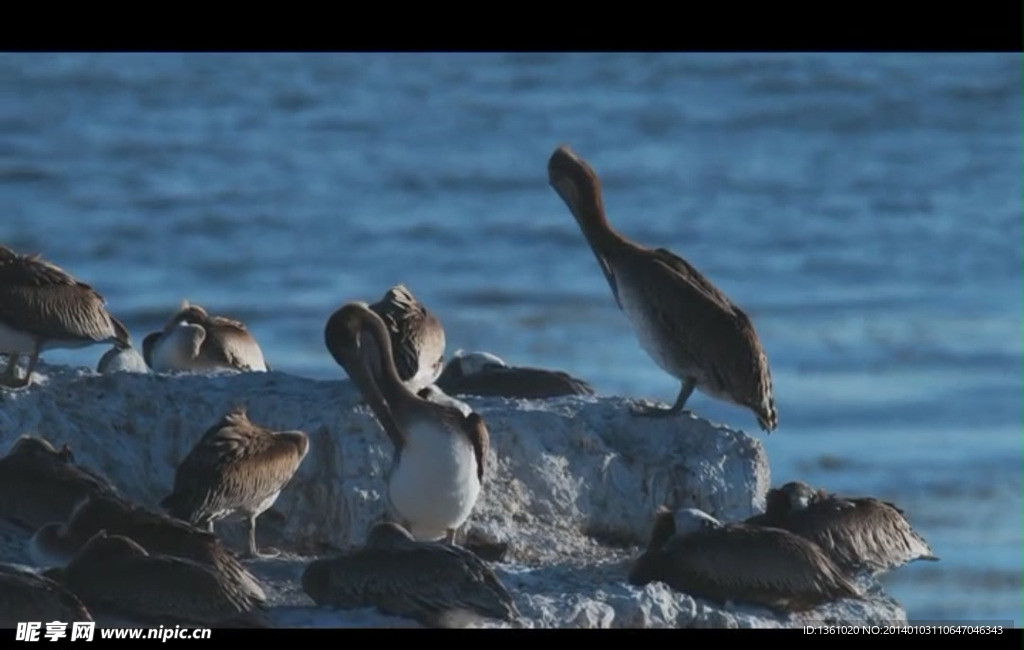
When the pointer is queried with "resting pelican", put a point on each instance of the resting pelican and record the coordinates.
(685, 323)
(39, 484)
(482, 373)
(433, 583)
(860, 534)
(26, 596)
(237, 467)
(56, 543)
(113, 574)
(692, 552)
(42, 307)
(438, 466)
(192, 340)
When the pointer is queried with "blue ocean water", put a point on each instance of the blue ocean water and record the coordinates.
(864, 209)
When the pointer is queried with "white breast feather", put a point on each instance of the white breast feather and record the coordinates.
(435, 484)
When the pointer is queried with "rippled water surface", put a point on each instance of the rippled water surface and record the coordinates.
(864, 209)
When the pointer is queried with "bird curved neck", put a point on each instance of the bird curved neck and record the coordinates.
(389, 382)
(588, 209)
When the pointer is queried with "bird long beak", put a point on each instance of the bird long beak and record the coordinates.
(357, 366)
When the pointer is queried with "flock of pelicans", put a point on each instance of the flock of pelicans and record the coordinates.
(106, 554)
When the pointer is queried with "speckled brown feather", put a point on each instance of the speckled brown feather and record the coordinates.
(708, 331)
(417, 336)
(419, 580)
(227, 342)
(859, 534)
(26, 596)
(762, 566)
(114, 574)
(40, 484)
(234, 467)
(40, 298)
(159, 534)
(477, 433)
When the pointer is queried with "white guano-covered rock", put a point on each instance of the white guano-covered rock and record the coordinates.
(571, 485)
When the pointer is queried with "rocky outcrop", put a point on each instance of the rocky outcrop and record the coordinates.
(571, 484)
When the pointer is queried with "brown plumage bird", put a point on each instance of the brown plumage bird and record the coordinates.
(43, 307)
(436, 584)
(159, 534)
(482, 373)
(237, 467)
(193, 340)
(417, 338)
(40, 484)
(685, 323)
(692, 552)
(860, 534)
(112, 574)
(440, 451)
(27, 596)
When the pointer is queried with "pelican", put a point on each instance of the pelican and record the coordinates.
(417, 338)
(860, 534)
(192, 340)
(686, 324)
(118, 360)
(113, 574)
(42, 307)
(39, 484)
(482, 373)
(474, 540)
(694, 553)
(27, 596)
(237, 467)
(436, 584)
(56, 543)
(438, 465)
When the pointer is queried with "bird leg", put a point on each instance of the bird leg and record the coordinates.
(11, 379)
(657, 412)
(449, 537)
(253, 551)
(32, 361)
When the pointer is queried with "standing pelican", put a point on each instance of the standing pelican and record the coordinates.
(685, 323)
(39, 484)
(27, 596)
(236, 467)
(56, 543)
(482, 373)
(438, 465)
(192, 340)
(436, 584)
(43, 307)
(694, 553)
(113, 574)
(860, 534)
(417, 338)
